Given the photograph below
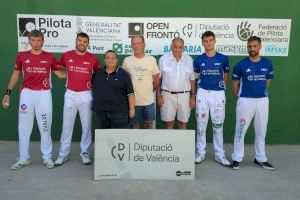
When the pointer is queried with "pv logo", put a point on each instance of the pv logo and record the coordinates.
(117, 151)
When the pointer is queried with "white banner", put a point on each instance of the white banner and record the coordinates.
(144, 154)
(115, 32)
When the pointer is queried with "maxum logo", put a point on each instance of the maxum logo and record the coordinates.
(47, 25)
(244, 31)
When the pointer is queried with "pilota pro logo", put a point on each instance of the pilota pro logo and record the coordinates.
(244, 31)
(26, 25)
(135, 29)
(118, 151)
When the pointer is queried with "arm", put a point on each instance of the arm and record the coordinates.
(131, 105)
(235, 88)
(160, 100)
(225, 79)
(156, 81)
(268, 82)
(12, 82)
(60, 73)
(193, 94)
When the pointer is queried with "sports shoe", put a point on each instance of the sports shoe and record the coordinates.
(48, 163)
(199, 158)
(20, 163)
(85, 158)
(264, 165)
(222, 160)
(235, 165)
(60, 160)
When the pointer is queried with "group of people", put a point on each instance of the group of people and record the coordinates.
(124, 96)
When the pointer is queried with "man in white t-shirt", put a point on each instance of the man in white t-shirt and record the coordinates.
(176, 96)
(145, 79)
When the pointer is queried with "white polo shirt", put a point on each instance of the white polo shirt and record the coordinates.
(175, 75)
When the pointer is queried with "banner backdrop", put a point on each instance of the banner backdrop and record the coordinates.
(115, 33)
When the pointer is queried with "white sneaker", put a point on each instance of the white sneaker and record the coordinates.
(199, 158)
(20, 163)
(60, 160)
(48, 163)
(222, 160)
(85, 158)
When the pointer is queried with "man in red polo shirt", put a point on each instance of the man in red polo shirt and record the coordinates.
(80, 66)
(35, 98)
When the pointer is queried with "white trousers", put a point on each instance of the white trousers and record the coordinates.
(213, 103)
(246, 109)
(76, 101)
(36, 103)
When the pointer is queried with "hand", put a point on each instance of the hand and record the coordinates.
(192, 102)
(131, 113)
(5, 101)
(160, 100)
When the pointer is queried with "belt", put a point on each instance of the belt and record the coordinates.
(177, 92)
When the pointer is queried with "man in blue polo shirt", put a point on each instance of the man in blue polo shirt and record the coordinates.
(113, 95)
(251, 78)
(213, 68)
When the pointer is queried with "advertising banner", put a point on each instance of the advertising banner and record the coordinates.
(115, 33)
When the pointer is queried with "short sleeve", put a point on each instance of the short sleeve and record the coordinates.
(128, 84)
(270, 75)
(155, 67)
(160, 65)
(226, 64)
(18, 64)
(96, 66)
(61, 62)
(191, 67)
(236, 74)
(54, 66)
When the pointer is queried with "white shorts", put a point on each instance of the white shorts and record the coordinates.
(175, 104)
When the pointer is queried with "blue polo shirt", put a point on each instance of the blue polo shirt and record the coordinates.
(211, 71)
(110, 91)
(253, 76)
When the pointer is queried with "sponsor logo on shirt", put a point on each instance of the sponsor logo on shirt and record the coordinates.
(71, 60)
(217, 64)
(256, 78)
(27, 61)
(263, 69)
(46, 82)
(86, 63)
(28, 69)
(89, 85)
(203, 64)
(44, 61)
